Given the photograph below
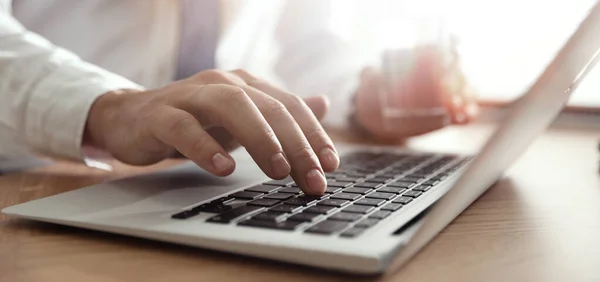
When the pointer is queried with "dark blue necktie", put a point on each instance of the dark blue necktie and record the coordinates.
(199, 36)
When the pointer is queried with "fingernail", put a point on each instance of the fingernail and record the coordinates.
(221, 163)
(279, 165)
(316, 181)
(329, 156)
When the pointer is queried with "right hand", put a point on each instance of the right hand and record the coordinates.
(207, 115)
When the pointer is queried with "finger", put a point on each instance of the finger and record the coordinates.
(309, 124)
(230, 107)
(318, 104)
(183, 132)
(306, 168)
(223, 137)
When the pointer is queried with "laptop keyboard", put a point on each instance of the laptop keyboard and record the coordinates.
(367, 188)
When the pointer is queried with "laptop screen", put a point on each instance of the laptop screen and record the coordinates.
(528, 118)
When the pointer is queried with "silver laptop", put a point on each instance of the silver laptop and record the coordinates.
(382, 206)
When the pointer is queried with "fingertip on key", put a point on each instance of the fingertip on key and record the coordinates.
(316, 182)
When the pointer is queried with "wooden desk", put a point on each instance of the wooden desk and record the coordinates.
(541, 223)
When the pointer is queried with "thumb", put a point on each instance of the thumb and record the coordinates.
(318, 104)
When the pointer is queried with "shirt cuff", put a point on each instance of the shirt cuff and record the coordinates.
(57, 113)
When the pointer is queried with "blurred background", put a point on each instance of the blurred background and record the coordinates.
(504, 45)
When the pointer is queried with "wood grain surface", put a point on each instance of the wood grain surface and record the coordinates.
(541, 222)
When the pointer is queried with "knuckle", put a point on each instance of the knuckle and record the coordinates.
(273, 108)
(305, 153)
(232, 94)
(294, 103)
(214, 76)
(316, 134)
(176, 124)
(242, 72)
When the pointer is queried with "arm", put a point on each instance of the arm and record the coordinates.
(45, 91)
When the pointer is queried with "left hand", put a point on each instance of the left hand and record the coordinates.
(426, 86)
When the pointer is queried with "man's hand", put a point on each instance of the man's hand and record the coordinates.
(209, 114)
(426, 86)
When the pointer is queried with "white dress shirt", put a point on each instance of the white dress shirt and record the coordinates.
(58, 56)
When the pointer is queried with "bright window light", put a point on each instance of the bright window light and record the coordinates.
(504, 44)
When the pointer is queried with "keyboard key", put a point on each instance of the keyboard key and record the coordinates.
(200, 208)
(370, 202)
(412, 194)
(357, 190)
(431, 182)
(279, 196)
(304, 216)
(211, 207)
(380, 214)
(401, 184)
(392, 207)
(352, 232)
(403, 200)
(356, 174)
(395, 190)
(246, 195)
(281, 225)
(345, 216)
(314, 197)
(340, 184)
(419, 174)
(412, 179)
(184, 214)
(320, 209)
(381, 195)
(301, 201)
(367, 185)
(286, 208)
(367, 222)
(264, 202)
(327, 227)
(439, 177)
(269, 215)
(263, 188)
(282, 182)
(222, 200)
(333, 203)
(291, 190)
(331, 190)
(348, 179)
(230, 215)
(359, 209)
(380, 179)
(345, 196)
(422, 188)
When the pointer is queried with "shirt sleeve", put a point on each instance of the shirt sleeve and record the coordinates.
(315, 59)
(46, 91)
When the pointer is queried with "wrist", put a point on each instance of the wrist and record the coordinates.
(101, 116)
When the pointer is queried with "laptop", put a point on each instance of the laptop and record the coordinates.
(381, 207)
